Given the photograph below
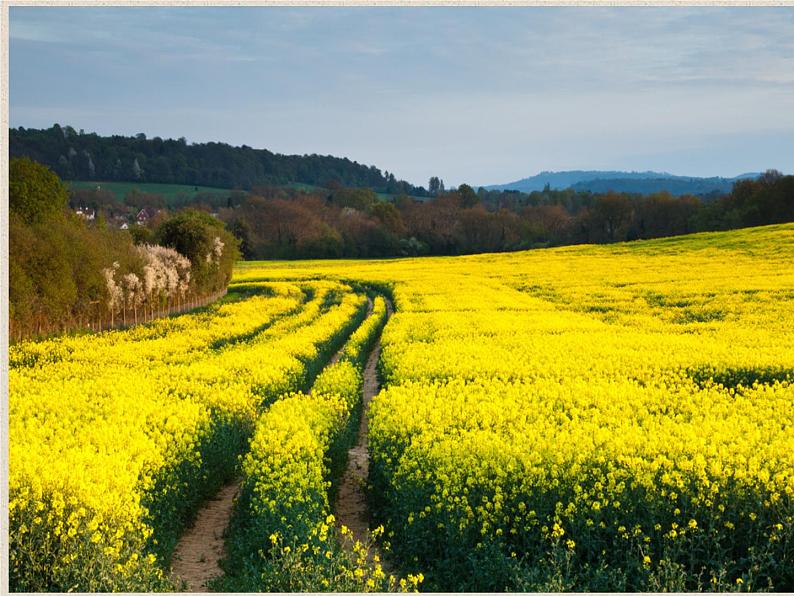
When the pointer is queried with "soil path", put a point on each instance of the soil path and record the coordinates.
(201, 547)
(335, 358)
(350, 508)
(197, 553)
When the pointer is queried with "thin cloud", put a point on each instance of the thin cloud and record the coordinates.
(471, 94)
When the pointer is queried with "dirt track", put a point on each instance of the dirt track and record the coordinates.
(201, 547)
(350, 508)
(197, 553)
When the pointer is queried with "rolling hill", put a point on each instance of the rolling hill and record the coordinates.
(639, 182)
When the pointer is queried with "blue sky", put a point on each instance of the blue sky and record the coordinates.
(477, 95)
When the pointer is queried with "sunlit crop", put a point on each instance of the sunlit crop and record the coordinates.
(114, 437)
(283, 532)
(612, 417)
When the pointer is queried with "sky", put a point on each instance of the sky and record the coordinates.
(475, 95)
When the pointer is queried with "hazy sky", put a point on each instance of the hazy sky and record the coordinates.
(477, 95)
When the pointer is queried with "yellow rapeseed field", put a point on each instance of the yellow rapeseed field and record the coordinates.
(612, 417)
(113, 438)
(596, 417)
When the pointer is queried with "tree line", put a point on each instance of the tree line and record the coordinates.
(347, 222)
(66, 273)
(76, 155)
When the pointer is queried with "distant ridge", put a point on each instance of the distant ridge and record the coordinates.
(639, 182)
(138, 159)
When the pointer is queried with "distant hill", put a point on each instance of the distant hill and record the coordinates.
(632, 182)
(90, 157)
(675, 185)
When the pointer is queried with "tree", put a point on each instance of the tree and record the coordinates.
(242, 231)
(435, 186)
(361, 199)
(136, 169)
(35, 193)
(211, 249)
(611, 213)
(66, 273)
(468, 198)
(137, 199)
(137, 158)
(390, 217)
(770, 177)
(141, 234)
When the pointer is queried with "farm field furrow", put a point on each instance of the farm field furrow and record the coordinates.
(584, 418)
(283, 536)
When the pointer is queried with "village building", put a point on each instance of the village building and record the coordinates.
(144, 215)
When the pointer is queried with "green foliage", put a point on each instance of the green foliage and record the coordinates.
(390, 217)
(351, 223)
(241, 230)
(212, 250)
(41, 275)
(468, 198)
(138, 199)
(141, 235)
(290, 213)
(56, 259)
(435, 185)
(35, 193)
(361, 199)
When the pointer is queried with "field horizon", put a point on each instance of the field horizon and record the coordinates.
(715, 239)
